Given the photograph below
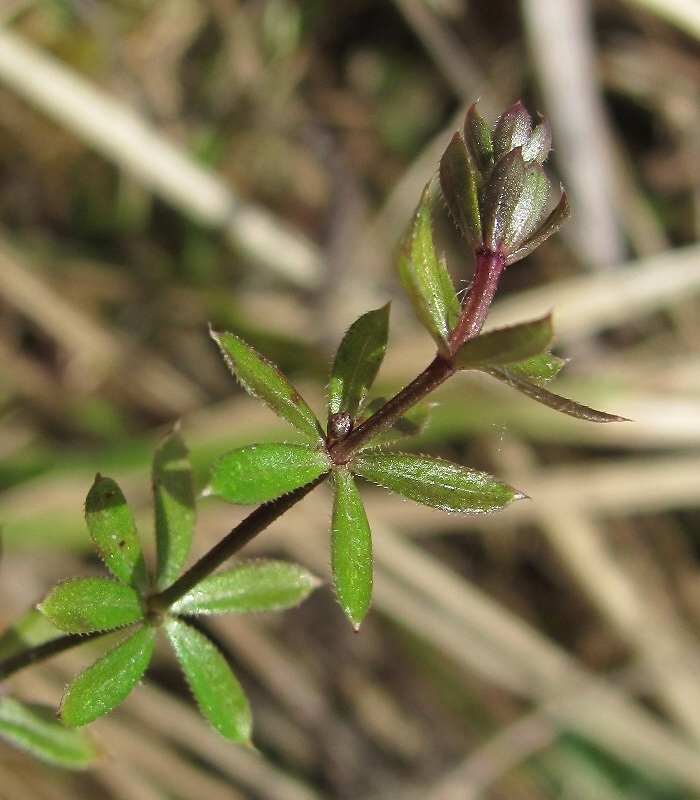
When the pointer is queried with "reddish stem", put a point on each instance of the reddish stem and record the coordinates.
(437, 372)
(489, 266)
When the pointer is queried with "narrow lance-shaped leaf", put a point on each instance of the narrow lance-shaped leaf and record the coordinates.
(35, 730)
(357, 362)
(31, 629)
(104, 684)
(426, 279)
(173, 490)
(248, 588)
(501, 195)
(529, 209)
(351, 549)
(537, 149)
(113, 531)
(459, 181)
(414, 422)
(261, 472)
(512, 129)
(538, 369)
(552, 224)
(547, 398)
(436, 483)
(215, 688)
(478, 138)
(506, 345)
(82, 605)
(263, 380)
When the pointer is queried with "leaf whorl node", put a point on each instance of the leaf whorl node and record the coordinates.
(339, 426)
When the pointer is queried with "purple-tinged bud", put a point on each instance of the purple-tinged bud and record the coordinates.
(494, 185)
(537, 149)
(513, 129)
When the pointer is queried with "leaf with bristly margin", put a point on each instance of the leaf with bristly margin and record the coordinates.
(351, 549)
(104, 684)
(506, 345)
(173, 494)
(414, 422)
(501, 196)
(552, 224)
(426, 279)
(83, 605)
(529, 210)
(112, 529)
(261, 472)
(459, 181)
(539, 369)
(249, 588)
(357, 362)
(32, 628)
(478, 138)
(264, 381)
(436, 483)
(215, 688)
(513, 129)
(35, 730)
(547, 398)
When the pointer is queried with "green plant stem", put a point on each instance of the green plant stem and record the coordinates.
(238, 537)
(44, 651)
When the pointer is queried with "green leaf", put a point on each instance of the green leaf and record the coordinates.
(357, 362)
(547, 398)
(414, 422)
(261, 472)
(426, 279)
(104, 684)
(260, 586)
(539, 369)
(30, 630)
(173, 491)
(436, 483)
(478, 138)
(113, 531)
(501, 195)
(82, 605)
(537, 149)
(529, 208)
(506, 345)
(513, 129)
(552, 224)
(459, 181)
(351, 549)
(215, 688)
(34, 729)
(263, 380)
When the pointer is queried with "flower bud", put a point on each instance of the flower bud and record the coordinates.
(494, 185)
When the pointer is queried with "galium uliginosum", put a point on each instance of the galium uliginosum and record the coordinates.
(496, 190)
(498, 195)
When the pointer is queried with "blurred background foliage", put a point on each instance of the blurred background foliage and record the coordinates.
(165, 164)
